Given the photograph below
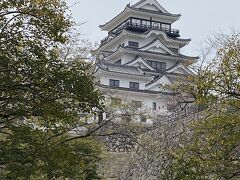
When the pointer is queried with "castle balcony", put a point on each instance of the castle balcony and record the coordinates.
(141, 28)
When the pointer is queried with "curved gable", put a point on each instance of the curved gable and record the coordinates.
(152, 5)
(140, 62)
(180, 69)
(158, 83)
(156, 46)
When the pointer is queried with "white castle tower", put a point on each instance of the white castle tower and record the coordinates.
(141, 55)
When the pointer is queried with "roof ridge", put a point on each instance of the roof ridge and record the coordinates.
(177, 55)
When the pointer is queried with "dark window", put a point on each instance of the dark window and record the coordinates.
(113, 82)
(133, 85)
(163, 65)
(118, 62)
(154, 64)
(154, 106)
(133, 44)
(157, 65)
(100, 117)
(137, 104)
(143, 119)
(95, 116)
(108, 115)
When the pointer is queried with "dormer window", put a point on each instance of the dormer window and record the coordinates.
(157, 65)
(133, 44)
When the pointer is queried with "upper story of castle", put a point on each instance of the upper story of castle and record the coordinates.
(141, 17)
(143, 27)
(142, 47)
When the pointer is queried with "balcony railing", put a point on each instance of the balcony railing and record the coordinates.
(143, 27)
(136, 27)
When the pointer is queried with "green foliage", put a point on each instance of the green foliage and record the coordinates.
(26, 153)
(211, 152)
(211, 149)
(41, 95)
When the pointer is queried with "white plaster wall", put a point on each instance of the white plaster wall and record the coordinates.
(147, 102)
(124, 81)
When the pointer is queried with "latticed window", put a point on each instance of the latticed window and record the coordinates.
(133, 44)
(157, 65)
(154, 106)
(133, 85)
(114, 83)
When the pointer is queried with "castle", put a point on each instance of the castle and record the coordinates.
(141, 58)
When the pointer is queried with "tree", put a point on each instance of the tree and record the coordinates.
(210, 149)
(77, 47)
(41, 96)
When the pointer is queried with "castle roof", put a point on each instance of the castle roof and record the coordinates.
(131, 11)
(168, 79)
(146, 3)
(123, 69)
(145, 91)
(138, 51)
(138, 71)
(111, 39)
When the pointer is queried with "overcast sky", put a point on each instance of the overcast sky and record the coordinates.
(200, 18)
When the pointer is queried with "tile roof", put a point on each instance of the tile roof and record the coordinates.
(111, 67)
(136, 90)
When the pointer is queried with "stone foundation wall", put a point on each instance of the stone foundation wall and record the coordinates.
(147, 158)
